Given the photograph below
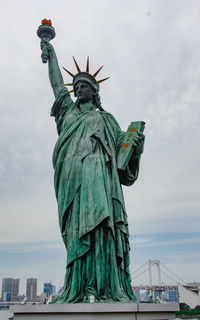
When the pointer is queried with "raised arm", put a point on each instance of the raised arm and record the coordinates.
(55, 75)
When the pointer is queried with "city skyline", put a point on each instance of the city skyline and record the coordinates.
(159, 274)
(188, 293)
(11, 286)
(150, 49)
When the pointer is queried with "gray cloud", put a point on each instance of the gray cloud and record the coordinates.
(153, 61)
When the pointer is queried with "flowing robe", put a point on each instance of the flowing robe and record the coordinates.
(91, 207)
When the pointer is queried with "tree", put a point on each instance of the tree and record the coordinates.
(197, 307)
(184, 306)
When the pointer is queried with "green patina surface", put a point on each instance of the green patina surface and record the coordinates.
(92, 214)
(91, 207)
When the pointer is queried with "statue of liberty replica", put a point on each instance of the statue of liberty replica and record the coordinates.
(89, 172)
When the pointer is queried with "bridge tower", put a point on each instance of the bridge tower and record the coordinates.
(157, 263)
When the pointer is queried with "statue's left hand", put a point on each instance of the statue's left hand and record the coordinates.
(138, 144)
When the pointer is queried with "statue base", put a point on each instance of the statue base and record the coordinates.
(97, 311)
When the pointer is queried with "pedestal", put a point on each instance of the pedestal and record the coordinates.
(96, 311)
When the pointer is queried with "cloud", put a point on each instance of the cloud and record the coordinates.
(178, 252)
(153, 61)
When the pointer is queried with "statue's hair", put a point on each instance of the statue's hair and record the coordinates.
(97, 101)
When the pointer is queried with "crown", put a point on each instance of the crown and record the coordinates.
(85, 76)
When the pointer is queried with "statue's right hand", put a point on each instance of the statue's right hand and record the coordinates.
(46, 48)
(46, 43)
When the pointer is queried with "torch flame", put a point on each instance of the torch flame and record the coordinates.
(45, 21)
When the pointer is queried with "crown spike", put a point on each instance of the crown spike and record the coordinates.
(71, 74)
(77, 66)
(87, 65)
(96, 73)
(99, 81)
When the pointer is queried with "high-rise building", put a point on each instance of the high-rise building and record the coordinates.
(49, 289)
(7, 286)
(15, 292)
(31, 289)
(10, 288)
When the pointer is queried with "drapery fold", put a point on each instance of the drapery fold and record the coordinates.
(91, 207)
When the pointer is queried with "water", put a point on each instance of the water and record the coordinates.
(4, 314)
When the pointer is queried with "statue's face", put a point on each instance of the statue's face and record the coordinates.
(84, 91)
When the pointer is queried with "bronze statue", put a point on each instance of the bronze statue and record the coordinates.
(92, 214)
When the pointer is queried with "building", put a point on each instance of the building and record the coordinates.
(7, 286)
(15, 292)
(49, 289)
(31, 289)
(164, 293)
(7, 297)
(173, 296)
(193, 286)
(10, 289)
(189, 297)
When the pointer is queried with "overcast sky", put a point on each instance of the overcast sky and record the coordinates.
(151, 51)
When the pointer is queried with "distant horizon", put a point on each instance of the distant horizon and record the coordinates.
(137, 282)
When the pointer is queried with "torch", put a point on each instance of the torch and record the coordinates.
(45, 32)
